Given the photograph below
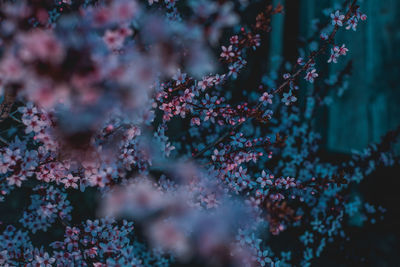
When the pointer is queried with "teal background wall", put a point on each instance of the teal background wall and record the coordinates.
(368, 109)
(371, 105)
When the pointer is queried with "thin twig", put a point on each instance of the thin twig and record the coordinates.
(14, 118)
(4, 141)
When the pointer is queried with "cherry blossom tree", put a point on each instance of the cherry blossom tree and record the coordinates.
(130, 103)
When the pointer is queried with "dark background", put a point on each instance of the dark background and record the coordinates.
(365, 112)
